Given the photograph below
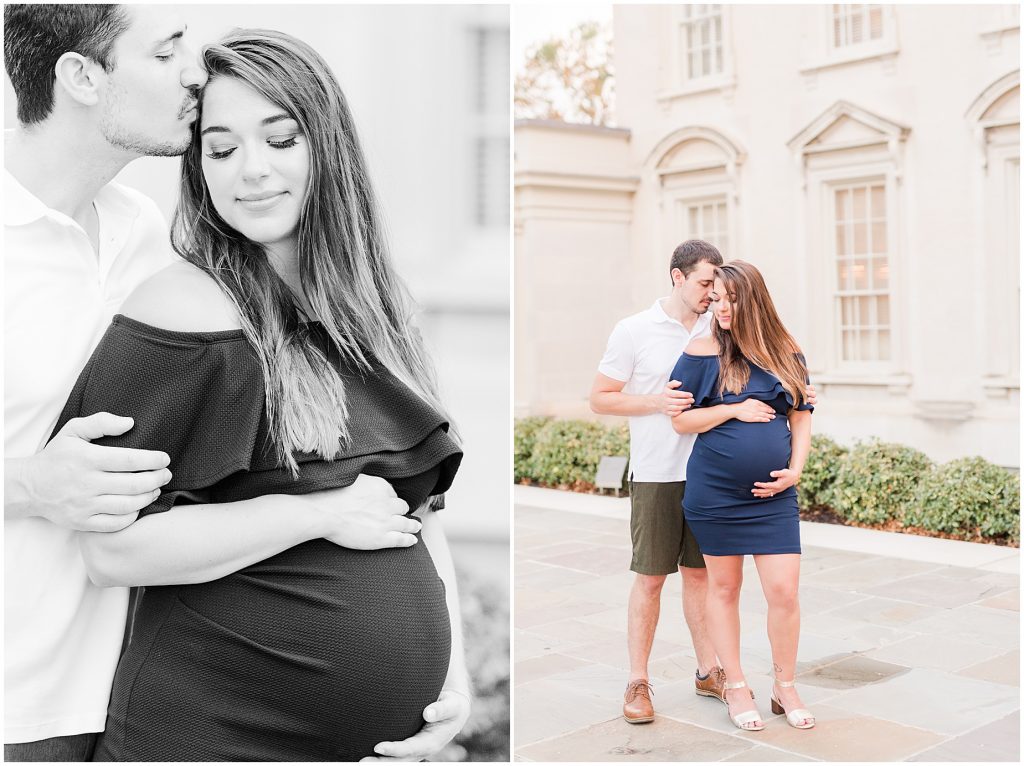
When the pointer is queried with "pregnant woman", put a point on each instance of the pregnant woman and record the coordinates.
(279, 359)
(754, 427)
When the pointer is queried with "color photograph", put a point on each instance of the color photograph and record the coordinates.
(766, 382)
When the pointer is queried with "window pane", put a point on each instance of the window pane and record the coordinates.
(882, 304)
(705, 33)
(705, 61)
(876, 22)
(865, 310)
(694, 222)
(718, 58)
(847, 312)
(840, 239)
(860, 238)
(884, 350)
(850, 345)
(856, 25)
(879, 243)
(881, 274)
(860, 274)
(867, 341)
(841, 196)
(843, 276)
(860, 211)
(878, 202)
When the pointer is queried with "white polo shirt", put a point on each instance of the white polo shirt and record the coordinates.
(62, 634)
(641, 352)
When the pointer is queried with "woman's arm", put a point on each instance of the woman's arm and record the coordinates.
(198, 543)
(445, 717)
(697, 421)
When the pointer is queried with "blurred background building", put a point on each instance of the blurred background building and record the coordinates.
(429, 88)
(865, 157)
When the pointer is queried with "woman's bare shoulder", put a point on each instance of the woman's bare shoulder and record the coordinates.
(182, 298)
(705, 346)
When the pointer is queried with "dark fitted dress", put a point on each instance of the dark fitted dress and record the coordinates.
(315, 654)
(726, 461)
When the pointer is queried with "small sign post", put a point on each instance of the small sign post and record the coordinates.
(609, 473)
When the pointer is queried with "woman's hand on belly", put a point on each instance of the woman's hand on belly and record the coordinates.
(366, 515)
(445, 718)
(784, 479)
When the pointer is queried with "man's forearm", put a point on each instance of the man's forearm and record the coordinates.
(436, 542)
(620, 403)
(198, 543)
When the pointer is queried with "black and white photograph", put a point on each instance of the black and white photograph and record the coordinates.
(257, 383)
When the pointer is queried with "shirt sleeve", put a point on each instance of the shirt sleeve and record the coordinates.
(192, 400)
(699, 376)
(619, 355)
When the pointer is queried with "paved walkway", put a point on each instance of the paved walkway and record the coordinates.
(909, 650)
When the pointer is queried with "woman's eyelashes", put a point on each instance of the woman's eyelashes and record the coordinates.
(276, 142)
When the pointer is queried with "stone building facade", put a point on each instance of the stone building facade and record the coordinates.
(865, 158)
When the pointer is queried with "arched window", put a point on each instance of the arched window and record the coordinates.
(696, 172)
(994, 117)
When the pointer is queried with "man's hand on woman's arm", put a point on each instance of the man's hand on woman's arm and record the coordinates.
(608, 398)
(84, 486)
(198, 543)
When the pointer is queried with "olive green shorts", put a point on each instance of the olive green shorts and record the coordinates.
(661, 540)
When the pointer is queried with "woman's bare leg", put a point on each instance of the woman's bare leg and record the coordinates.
(725, 576)
(780, 579)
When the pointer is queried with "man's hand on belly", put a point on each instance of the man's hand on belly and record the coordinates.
(444, 719)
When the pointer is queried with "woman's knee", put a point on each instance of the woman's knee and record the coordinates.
(783, 597)
(725, 590)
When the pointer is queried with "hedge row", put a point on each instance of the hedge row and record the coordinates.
(873, 482)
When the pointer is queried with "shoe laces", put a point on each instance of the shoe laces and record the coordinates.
(641, 687)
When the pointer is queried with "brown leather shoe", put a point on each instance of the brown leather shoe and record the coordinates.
(713, 685)
(638, 707)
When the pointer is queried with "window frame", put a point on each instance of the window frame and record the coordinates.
(822, 53)
(679, 85)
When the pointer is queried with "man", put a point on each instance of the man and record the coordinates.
(632, 380)
(97, 87)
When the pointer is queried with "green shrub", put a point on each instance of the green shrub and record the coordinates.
(876, 480)
(568, 451)
(524, 437)
(969, 495)
(819, 472)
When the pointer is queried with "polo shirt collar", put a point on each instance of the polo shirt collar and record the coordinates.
(657, 314)
(21, 207)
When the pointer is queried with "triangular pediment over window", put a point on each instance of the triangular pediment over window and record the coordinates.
(844, 126)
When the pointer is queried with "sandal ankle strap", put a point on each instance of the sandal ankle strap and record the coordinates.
(735, 684)
(785, 684)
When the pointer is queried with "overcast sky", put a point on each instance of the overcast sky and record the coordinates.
(533, 23)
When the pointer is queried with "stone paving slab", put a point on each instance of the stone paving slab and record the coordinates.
(998, 741)
(902, 657)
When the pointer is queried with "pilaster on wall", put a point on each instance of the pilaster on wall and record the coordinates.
(573, 212)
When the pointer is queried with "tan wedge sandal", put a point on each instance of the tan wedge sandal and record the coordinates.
(799, 718)
(741, 720)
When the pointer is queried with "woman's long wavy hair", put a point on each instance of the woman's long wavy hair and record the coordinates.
(756, 335)
(345, 270)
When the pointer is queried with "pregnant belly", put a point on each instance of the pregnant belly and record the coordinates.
(318, 653)
(727, 460)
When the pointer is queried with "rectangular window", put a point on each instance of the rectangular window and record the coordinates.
(707, 219)
(701, 41)
(862, 272)
(490, 95)
(856, 24)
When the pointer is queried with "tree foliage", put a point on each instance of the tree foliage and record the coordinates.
(570, 79)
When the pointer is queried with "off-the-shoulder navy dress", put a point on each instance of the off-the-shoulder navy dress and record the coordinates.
(315, 654)
(726, 461)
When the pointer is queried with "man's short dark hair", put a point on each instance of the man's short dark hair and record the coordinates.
(35, 36)
(692, 252)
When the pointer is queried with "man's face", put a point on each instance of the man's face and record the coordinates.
(695, 290)
(149, 98)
